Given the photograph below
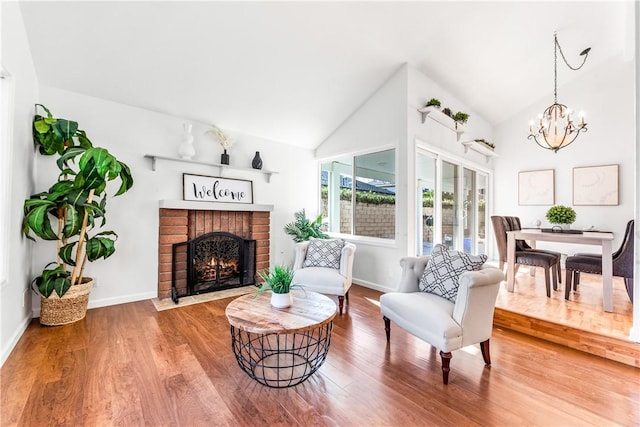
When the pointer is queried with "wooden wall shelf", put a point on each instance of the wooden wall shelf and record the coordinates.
(221, 168)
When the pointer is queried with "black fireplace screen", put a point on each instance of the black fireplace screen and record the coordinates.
(212, 262)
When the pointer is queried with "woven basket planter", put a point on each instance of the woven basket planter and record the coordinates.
(70, 308)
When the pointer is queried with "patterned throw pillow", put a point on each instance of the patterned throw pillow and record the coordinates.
(441, 277)
(324, 253)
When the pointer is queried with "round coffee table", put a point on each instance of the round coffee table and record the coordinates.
(281, 347)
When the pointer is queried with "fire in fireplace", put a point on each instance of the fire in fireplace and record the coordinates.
(212, 262)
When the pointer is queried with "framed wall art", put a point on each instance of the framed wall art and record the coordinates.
(536, 187)
(595, 185)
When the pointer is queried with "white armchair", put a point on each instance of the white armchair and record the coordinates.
(325, 280)
(445, 325)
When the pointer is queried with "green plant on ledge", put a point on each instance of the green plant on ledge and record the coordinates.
(460, 117)
(278, 280)
(448, 112)
(560, 214)
(302, 229)
(75, 204)
(433, 102)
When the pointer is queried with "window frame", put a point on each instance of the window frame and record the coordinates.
(374, 241)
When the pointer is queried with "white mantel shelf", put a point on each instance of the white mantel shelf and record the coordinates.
(214, 206)
(221, 168)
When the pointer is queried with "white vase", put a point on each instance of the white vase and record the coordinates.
(186, 151)
(281, 300)
(562, 227)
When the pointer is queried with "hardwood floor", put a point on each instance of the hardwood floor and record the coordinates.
(131, 365)
(579, 323)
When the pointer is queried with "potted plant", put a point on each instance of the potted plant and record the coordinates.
(70, 212)
(460, 117)
(448, 112)
(433, 102)
(562, 216)
(278, 280)
(302, 229)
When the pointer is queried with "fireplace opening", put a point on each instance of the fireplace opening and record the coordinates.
(212, 262)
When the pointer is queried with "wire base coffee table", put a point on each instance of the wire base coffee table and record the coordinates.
(281, 347)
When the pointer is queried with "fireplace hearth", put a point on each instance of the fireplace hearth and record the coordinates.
(212, 262)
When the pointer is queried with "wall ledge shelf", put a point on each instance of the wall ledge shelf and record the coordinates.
(440, 117)
(221, 168)
(479, 148)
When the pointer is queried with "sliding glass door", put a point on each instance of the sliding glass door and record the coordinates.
(451, 204)
(474, 215)
(426, 194)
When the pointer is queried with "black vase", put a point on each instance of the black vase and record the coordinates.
(224, 158)
(257, 161)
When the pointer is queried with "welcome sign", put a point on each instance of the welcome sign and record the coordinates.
(202, 188)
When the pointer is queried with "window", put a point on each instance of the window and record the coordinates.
(372, 212)
(454, 203)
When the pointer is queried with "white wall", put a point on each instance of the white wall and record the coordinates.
(130, 133)
(390, 116)
(379, 122)
(421, 89)
(16, 60)
(605, 95)
(439, 138)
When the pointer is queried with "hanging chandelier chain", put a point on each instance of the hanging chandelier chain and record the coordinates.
(555, 67)
(584, 53)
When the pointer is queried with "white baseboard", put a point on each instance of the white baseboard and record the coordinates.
(17, 334)
(371, 285)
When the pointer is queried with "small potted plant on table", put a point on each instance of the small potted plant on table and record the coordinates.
(278, 280)
(561, 216)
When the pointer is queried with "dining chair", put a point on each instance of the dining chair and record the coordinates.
(592, 263)
(525, 254)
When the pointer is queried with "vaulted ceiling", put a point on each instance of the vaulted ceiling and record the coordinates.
(293, 71)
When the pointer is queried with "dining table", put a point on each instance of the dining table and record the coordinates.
(602, 239)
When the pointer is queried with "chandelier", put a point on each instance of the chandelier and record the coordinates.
(556, 128)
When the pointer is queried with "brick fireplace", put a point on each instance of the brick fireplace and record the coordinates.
(183, 221)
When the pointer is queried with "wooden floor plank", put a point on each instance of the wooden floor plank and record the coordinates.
(579, 323)
(131, 365)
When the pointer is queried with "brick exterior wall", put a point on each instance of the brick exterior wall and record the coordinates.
(379, 220)
(180, 225)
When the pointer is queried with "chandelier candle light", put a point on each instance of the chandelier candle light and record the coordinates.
(555, 126)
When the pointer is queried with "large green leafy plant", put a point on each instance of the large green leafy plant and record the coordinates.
(73, 209)
(302, 229)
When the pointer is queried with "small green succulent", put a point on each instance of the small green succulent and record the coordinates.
(433, 102)
(460, 117)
